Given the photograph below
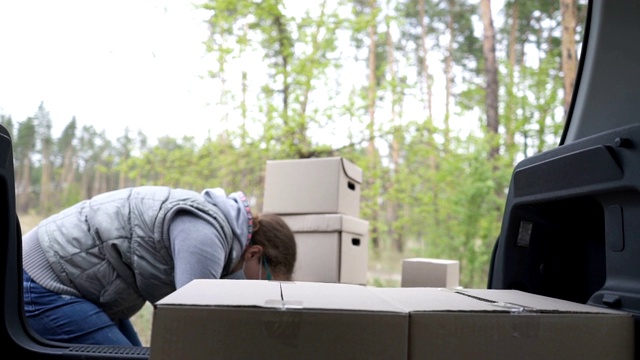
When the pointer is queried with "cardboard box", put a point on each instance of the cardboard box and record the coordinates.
(425, 272)
(253, 319)
(509, 324)
(331, 248)
(310, 186)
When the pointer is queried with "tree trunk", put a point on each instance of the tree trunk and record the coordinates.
(122, 176)
(245, 88)
(395, 233)
(86, 182)
(24, 186)
(448, 73)
(371, 147)
(510, 103)
(513, 32)
(314, 51)
(291, 131)
(46, 181)
(425, 63)
(491, 74)
(67, 178)
(569, 52)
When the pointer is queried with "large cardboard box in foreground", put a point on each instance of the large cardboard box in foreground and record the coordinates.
(509, 324)
(252, 319)
(426, 272)
(330, 248)
(312, 186)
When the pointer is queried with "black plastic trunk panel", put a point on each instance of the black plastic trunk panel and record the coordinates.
(571, 227)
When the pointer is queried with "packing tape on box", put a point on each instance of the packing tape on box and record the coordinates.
(283, 326)
(284, 304)
(514, 308)
(511, 307)
(520, 326)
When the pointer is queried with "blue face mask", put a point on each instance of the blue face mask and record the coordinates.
(265, 265)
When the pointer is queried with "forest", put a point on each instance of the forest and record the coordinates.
(435, 100)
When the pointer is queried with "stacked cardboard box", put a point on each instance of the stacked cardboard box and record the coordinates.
(319, 199)
(253, 319)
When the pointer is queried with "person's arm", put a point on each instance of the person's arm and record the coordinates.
(198, 251)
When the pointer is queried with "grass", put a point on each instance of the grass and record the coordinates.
(28, 222)
(383, 271)
(142, 322)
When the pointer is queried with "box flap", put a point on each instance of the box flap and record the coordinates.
(326, 223)
(540, 303)
(433, 299)
(352, 171)
(430, 260)
(286, 294)
(332, 296)
(481, 300)
(207, 292)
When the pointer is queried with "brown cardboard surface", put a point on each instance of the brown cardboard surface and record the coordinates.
(245, 319)
(354, 258)
(345, 297)
(542, 304)
(311, 321)
(509, 324)
(426, 272)
(318, 257)
(225, 292)
(331, 248)
(326, 223)
(457, 335)
(311, 186)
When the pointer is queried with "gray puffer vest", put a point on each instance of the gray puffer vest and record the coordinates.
(114, 249)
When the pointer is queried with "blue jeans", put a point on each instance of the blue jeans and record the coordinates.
(73, 320)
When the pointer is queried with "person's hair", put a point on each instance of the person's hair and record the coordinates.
(277, 241)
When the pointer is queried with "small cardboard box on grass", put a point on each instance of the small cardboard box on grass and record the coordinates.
(312, 186)
(330, 248)
(425, 272)
(253, 319)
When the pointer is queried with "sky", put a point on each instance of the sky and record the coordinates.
(104, 66)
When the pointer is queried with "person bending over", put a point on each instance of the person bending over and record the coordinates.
(89, 268)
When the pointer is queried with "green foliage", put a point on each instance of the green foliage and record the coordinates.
(25, 141)
(68, 136)
(72, 195)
